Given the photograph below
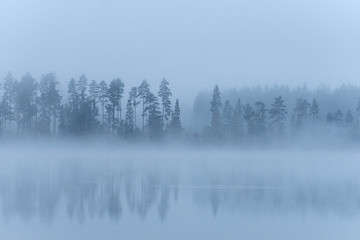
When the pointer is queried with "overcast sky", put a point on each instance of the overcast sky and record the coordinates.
(193, 43)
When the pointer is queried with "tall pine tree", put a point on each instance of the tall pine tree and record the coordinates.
(164, 95)
(278, 115)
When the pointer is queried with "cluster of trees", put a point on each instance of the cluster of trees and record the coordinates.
(276, 120)
(31, 107)
(35, 107)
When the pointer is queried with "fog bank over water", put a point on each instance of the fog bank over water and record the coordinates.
(195, 44)
(86, 192)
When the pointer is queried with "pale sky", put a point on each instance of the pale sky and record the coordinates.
(193, 43)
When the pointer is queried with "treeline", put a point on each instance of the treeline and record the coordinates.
(90, 108)
(37, 108)
(231, 121)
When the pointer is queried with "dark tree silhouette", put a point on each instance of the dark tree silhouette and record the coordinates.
(154, 115)
(133, 95)
(216, 123)
(301, 112)
(175, 124)
(278, 115)
(314, 110)
(26, 103)
(49, 103)
(164, 95)
(129, 119)
(143, 92)
(8, 102)
(103, 98)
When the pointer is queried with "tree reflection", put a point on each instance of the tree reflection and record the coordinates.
(101, 192)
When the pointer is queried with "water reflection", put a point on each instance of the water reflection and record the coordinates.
(83, 193)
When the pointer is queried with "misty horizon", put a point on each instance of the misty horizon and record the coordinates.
(181, 119)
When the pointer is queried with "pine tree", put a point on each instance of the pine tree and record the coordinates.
(49, 102)
(133, 95)
(26, 103)
(94, 93)
(301, 111)
(85, 116)
(228, 117)
(7, 103)
(103, 98)
(175, 124)
(238, 122)
(278, 114)
(143, 92)
(164, 95)
(115, 93)
(70, 111)
(216, 104)
(82, 85)
(314, 110)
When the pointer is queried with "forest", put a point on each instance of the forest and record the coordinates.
(36, 108)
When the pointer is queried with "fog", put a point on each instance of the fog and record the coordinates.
(75, 191)
(192, 43)
(158, 119)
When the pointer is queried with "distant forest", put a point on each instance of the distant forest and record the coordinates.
(279, 112)
(36, 108)
(30, 107)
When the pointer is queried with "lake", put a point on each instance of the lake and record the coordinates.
(108, 193)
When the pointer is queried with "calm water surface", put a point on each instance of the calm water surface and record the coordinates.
(180, 195)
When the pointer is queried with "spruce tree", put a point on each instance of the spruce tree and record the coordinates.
(175, 124)
(129, 119)
(216, 104)
(154, 115)
(164, 95)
